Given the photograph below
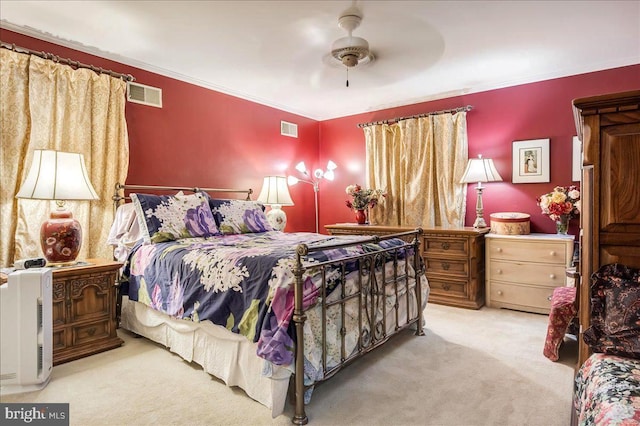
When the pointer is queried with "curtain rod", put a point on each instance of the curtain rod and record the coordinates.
(56, 58)
(395, 120)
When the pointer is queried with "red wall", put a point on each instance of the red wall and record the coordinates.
(499, 117)
(206, 138)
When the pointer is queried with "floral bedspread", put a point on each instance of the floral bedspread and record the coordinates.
(243, 282)
(608, 391)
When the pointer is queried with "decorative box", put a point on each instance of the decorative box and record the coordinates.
(510, 223)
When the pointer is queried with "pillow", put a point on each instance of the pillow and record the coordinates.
(125, 231)
(170, 217)
(615, 311)
(563, 310)
(239, 216)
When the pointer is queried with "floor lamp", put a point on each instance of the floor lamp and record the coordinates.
(314, 181)
(480, 170)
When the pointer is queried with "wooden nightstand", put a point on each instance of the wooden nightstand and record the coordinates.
(84, 309)
(454, 265)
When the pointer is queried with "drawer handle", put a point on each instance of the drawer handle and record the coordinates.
(552, 276)
(499, 250)
(445, 266)
(549, 298)
(499, 292)
(499, 271)
(553, 253)
(91, 331)
(445, 246)
(446, 287)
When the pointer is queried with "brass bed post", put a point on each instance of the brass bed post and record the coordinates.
(299, 317)
(418, 271)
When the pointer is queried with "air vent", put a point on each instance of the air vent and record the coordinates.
(145, 95)
(288, 129)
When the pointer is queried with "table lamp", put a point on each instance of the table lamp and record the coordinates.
(275, 193)
(480, 170)
(59, 176)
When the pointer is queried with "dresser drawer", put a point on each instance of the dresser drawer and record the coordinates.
(447, 287)
(520, 296)
(445, 245)
(451, 267)
(541, 252)
(527, 273)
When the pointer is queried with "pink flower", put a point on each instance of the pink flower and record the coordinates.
(563, 201)
(363, 198)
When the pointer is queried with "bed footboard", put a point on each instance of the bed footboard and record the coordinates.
(385, 296)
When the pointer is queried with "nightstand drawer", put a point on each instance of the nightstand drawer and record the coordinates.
(515, 296)
(447, 287)
(90, 332)
(528, 273)
(451, 267)
(435, 245)
(541, 252)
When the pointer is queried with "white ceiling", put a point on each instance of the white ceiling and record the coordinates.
(271, 52)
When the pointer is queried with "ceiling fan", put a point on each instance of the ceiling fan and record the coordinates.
(351, 51)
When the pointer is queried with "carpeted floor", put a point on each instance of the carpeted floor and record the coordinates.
(480, 367)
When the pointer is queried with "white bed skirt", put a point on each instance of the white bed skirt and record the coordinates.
(221, 353)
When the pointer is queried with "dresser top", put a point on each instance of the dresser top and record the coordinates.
(532, 236)
(401, 228)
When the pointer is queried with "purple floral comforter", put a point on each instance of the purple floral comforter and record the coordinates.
(243, 282)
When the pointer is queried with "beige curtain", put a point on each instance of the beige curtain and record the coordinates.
(46, 105)
(419, 162)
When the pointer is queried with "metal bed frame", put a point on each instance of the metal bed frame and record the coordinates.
(371, 294)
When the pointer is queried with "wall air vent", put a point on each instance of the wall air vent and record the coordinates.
(145, 95)
(288, 129)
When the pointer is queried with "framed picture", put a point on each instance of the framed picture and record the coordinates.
(531, 161)
(576, 165)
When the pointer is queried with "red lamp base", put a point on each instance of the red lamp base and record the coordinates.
(60, 238)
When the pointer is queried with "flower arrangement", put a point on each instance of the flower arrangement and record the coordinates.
(562, 204)
(363, 198)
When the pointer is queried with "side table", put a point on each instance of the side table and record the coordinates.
(84, 309)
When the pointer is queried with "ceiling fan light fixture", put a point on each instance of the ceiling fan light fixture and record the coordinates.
(351, 51)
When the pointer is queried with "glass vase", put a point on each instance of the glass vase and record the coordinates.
(562, 225)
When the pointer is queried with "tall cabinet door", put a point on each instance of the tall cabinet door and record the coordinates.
(609, 127)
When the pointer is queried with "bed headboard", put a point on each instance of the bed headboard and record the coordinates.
(119, 195)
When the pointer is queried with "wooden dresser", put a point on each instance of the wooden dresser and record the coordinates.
(609, 128)
(355, 229)
(454, 262)
(453, 258)
(84, 310)
(523, 270)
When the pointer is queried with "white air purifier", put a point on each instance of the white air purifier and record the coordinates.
(26, 357)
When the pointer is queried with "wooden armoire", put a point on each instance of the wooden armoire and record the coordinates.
(609, 128)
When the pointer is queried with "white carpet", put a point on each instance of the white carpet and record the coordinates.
(480, 367)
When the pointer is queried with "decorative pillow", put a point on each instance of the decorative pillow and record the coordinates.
(615, 311)
(563, 310)
(239, 216)
(170, 217)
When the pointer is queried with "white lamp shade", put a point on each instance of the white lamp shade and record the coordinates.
(275, 191)
(56, 175)
(301, 167)
(480, 170)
